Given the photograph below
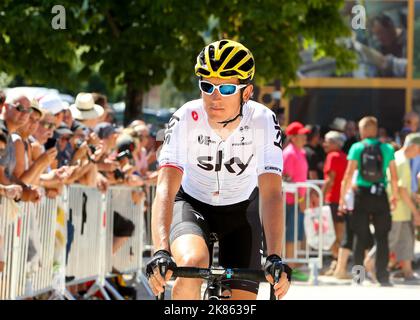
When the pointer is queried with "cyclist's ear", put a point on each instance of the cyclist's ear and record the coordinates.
(247, 92)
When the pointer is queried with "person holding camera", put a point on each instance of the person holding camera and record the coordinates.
(372, 159)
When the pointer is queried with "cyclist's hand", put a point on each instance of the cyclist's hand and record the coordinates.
(159, 270)
(278, 274)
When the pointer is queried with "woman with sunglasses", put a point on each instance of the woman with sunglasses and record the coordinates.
(217, 150)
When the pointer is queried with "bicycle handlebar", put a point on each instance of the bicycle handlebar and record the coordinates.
(206, 273)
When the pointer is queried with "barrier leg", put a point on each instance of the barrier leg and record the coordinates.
(141, 279)
(104, 293)
(95, 288)
(114, 292)
(314, 265)
(68, 295)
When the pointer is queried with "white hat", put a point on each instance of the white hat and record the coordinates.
(85, 108)
(338, 124)
(51, 103)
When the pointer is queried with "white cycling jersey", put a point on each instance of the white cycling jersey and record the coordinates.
(217, 171)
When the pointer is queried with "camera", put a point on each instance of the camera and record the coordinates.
(79, 142)
(124, 154)
(92, 148)
(118, 174)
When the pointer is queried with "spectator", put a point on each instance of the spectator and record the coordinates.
(10, 191)
(315, 154)
(101, 100)
(334, 168)
(392, 46)
(411, 125)
(55, 105)
(143, 134)
(14, 117)
(295, 169)
(383, 135)
(86, 111)
(44, 131)
(68, 118)
(64, 136)
(351, 135)
(2, 100)
(372, 159)
(411, 121)
(27, 170)
(401, 237)
(108, 135)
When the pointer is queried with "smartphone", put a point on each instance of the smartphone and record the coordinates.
(51, 143)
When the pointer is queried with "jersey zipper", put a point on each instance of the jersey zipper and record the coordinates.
(217, 172)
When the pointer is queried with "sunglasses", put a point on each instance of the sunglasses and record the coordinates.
(66, 138)
(225, 89)
(22, 109)
(48, 125)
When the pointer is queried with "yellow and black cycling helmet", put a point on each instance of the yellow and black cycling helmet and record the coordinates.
(226, 59)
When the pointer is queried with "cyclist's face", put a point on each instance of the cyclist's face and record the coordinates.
(220, 108)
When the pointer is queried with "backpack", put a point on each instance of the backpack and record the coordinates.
(372, 162)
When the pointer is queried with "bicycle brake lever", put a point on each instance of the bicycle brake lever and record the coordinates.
(162, 271)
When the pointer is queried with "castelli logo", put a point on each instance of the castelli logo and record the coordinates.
(194, 115)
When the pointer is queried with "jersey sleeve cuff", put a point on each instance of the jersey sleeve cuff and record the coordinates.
(172, 165)
(270, 169)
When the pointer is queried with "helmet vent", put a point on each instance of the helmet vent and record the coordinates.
(222, 43)
(247, 65)
(236, 59)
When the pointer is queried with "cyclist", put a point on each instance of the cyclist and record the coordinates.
(221, 154)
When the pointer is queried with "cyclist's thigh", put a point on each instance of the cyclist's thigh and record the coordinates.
(189, 236)
(242, 247)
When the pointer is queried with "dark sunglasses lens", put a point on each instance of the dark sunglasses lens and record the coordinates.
(22, 109)
(207, 87)
(227, 89)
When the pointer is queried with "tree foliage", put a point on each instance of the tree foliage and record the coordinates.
(135, 43)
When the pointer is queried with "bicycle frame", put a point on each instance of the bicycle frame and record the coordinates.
(215, 276)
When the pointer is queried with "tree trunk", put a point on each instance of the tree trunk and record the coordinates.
(133, 103)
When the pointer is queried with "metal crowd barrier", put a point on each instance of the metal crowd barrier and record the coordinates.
(42, 227)
(14, 227)
(307, 255)
(129, 258)
(85, 254)
(150, 196)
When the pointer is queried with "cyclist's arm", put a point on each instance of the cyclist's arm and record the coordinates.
(169, 181)
(271, 199)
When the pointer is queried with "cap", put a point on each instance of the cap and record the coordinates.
(338, 124)
(63, 130)
(125, 142)
(52, 103)
(76, 125)
(412, 138)
(104, 130)
(296, 128)
(36, 107)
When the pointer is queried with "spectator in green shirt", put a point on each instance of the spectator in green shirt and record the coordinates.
(371, 201)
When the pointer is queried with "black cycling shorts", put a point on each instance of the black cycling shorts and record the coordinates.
(238, 230)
